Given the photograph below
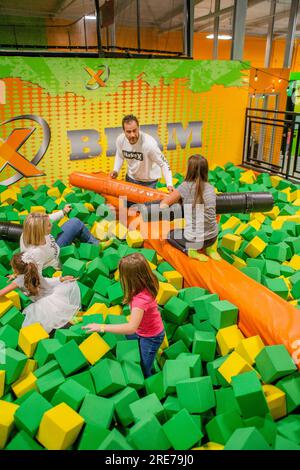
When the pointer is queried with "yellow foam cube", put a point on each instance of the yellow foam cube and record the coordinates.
(294, 303)
(29, 337)
(117, 275)
(294, 263)
(165, 343)
(287, 191)
(231, 242)
(152, 266)
(234, 365)
(15, 298)
(258, 216)
(276, 400)
(273, 214)
(97, 308)
(174, 278)
(240, 228)
(296, 202)
(59, 427)
(228, 338)
(174, 181)
(7, 411)
(248, 177)
(57, 274)
(62, 221)
(164, 190)
(159, 259)
(165, 292)
(115, 310)
(255, 224)
(24, 384)
(89, 207)
(41, 209)
(67, 191)
(5, 305)
(24, 212)
(118, 230)
(295, 195)
(238, 263)
(231, 223)
(100, 230)
(30, 366)
(134, 238)
(210, 446)
(275, 180)
(60, 200)
(249, 348)
(255, 247)
(93, 348)
(2, 382)
(9, 196)
(53, 192)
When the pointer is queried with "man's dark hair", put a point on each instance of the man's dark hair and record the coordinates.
(129, 118)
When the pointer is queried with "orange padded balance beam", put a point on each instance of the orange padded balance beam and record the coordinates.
(261, 312)
(102, 183)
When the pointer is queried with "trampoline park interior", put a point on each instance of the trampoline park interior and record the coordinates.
(219, 78)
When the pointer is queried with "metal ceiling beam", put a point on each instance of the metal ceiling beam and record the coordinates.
(216, 29)
(172, 14)
(238, 29)
(268, 51)
(290, 37)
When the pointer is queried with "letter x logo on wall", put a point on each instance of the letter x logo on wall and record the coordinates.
(9, 152)
(95, 81)
(9, 149)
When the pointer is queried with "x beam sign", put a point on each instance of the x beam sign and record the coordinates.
(9, 152)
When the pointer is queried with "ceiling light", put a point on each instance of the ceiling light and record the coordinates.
(225, 37)
(90, 17)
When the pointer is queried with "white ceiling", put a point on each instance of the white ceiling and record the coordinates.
(164, 14)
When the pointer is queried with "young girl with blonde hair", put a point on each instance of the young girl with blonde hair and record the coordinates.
(55, 300)
(44, 248)
(140, 288)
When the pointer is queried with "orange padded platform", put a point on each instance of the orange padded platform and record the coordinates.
(261, 312)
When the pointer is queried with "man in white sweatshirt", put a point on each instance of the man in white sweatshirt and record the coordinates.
(145, 161)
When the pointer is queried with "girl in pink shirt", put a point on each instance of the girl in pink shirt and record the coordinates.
(140, 288)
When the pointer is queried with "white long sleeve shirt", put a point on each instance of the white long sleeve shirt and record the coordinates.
(47, 254)
(145, 161)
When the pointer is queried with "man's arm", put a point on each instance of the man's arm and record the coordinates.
(156, 156)
(119, 160)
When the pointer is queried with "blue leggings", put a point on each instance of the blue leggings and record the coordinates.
(148, 349)
(72, 229)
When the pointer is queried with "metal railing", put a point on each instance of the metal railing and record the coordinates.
(272, 142)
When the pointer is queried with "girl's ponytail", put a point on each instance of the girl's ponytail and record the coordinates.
(31, 279)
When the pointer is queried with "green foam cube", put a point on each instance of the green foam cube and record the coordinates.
(222, 314)
(246, 439)
(249, 395)
(29, 415)
(108, 377)
(205, 344)
(182, 431)
(70, 358)
(196, 394)
(71, 393)
(133, 374)
(92, 437)
(221, 427)
(97, 410)
(73, 267)
(122, 400)
(148, 434)
(176, 310)
(274, 362)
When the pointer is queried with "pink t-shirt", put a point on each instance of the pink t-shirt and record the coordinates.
(151, 324)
